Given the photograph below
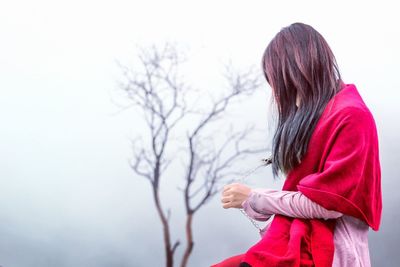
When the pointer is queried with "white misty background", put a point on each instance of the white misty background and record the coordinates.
(68, 196)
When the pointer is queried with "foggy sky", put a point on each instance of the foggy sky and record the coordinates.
(67, 194)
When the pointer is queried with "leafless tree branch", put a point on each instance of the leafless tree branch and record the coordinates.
(157, 90)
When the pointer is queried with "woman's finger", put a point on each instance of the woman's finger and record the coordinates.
(230, 186)
(227, 205)
(226, 199)
(226, 188)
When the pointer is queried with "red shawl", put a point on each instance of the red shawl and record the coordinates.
(341, 172)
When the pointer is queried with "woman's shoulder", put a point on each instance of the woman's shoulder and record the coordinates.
(348, 105)
(346, 113)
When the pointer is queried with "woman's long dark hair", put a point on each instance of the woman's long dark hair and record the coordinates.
(298, 62)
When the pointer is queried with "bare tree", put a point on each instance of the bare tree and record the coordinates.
(161, 96)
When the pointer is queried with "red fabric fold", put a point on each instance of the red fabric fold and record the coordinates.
(341, 172)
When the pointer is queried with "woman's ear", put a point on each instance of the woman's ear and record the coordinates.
(297, 100)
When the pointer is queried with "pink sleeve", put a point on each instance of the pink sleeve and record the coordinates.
(262, 203)
(252, 213)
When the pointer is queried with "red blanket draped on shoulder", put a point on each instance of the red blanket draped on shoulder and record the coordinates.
(340, 171)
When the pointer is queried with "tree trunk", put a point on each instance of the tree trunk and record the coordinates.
(189, 240)
(166, 233)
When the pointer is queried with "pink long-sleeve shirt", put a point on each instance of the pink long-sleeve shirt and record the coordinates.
(350, 234)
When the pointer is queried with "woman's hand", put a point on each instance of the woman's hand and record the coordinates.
(234, 194)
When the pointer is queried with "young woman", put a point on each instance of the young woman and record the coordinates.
(326, 144)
